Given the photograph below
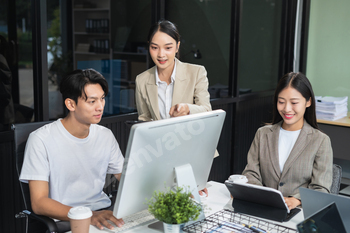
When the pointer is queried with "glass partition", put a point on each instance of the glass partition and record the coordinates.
(205, 28)
(59, 60)
(259, 45)
(25, 107)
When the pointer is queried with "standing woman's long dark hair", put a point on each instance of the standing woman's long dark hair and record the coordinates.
(299, 82)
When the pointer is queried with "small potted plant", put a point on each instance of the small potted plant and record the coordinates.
(174, 208)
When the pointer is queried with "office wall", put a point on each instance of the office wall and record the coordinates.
(328, 61)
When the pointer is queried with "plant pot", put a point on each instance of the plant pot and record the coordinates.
(173, 228)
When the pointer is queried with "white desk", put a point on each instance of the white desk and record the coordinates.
(218, 199)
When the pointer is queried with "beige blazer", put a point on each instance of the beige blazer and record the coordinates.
(191, 87)
(309, 164)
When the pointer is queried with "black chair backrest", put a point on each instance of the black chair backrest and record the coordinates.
(337, 176)
(21, 134)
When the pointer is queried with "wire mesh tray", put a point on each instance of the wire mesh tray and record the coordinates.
(229, 221)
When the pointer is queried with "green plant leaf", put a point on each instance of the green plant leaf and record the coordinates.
(173, 207)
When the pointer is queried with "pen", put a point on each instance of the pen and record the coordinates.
(255, 229)
(233, 227)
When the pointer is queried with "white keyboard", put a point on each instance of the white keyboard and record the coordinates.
(132, 221)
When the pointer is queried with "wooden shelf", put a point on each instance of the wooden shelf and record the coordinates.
(91, 34)
(130, 53)
(90, 9)
(345, 121)
(90, 53)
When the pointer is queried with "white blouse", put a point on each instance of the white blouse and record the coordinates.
(286, 143)
(165, 94)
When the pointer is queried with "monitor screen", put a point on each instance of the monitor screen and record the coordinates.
(155, 149)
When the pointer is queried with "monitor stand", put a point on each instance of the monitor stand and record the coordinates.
(157, 226)
(185, 178)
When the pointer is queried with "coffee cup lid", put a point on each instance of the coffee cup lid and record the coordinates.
(238, 179)
(79, 212)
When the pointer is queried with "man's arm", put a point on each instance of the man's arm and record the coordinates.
(43, 205)
(118, 176)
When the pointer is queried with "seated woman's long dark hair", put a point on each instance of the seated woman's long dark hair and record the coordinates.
(299, 82)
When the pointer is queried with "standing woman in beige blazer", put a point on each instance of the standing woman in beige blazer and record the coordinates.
(291, 152)
(171, 88)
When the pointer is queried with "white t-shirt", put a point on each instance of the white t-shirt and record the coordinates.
(75, 168)
(286, 143)
(165, 94)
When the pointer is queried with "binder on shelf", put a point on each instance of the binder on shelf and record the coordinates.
(260, 201)
(87, 25)
(91, 25)
(101, 46)
(106, 46)
(97, 25)
(94, 46)
(106, 25)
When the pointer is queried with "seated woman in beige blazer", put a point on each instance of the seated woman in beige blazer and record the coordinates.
(291, 152)
(171, 88)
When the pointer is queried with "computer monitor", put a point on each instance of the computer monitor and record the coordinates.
(157, 150)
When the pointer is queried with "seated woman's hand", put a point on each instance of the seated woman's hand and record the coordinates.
(99, 219)
(292, 202)
(179, 110)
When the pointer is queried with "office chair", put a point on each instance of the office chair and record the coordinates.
(337, 174)
(21, 134)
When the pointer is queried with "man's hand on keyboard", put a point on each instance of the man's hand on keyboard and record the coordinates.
(204, 192)
(99, 219)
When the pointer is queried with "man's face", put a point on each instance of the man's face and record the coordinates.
(89, 111)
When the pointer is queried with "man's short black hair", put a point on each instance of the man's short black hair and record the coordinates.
(73, 85)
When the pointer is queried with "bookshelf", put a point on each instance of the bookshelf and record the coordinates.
(91, 30)
(110, 41)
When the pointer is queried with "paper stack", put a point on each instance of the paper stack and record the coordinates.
(331, 108)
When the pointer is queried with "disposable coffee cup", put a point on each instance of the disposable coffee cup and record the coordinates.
(238, 179)
(80, 219)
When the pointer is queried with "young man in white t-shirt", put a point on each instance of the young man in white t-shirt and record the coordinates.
(66, 161)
